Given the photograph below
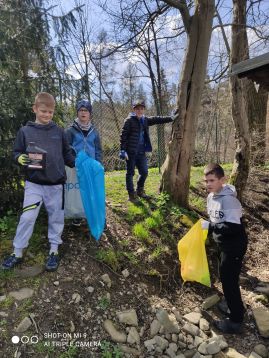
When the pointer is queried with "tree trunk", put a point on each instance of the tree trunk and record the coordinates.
(177, 166)
(267, 134)
(239, 52)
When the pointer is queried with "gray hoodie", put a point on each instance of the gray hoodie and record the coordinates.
(224, 206)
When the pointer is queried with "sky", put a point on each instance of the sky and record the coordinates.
(171, 59)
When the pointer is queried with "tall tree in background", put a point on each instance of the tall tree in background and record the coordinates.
(177, 166)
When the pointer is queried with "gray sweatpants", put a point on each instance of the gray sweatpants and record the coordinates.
(34, 196)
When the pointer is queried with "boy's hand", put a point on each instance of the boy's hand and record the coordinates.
(23, 159)
(123, 155)
(205, 224)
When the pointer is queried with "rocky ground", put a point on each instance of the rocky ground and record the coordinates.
(87, 309)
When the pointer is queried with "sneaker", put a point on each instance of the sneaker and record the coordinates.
(223, 308)
(228, 326)
(133, 197)
(11, 261)
(77, 222)
(52, 262)
(141, 193)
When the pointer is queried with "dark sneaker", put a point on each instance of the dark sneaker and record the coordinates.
(228, 326)
(223, 308)
(141, 193)
(133, 197)
(11, 262)
(77, 222)
(52, 262)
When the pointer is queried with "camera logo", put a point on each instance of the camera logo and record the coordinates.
(24, 339)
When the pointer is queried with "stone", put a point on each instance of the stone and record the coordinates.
(254, 355)
(161, 342)
(193, 317)
(210, 301)
(263, 288)
(90, 289)
(56, 283)
(76, 298)
(174, 338)
(169, 322)
(261, 316)
(197, 341)
(150, 344)
(22, 294)
(23, 325)
(32, 271)
(3, 314)
(2, 298)
(106, 279)
(133, 336)
(232, 353)
(213, 348)
(189, 353)
(261, 350)
(197, 355)
(191, 329)
(115, 335)
(125, 273)
(128, 317)
(129, 350)
(154, 327)
(204, 325)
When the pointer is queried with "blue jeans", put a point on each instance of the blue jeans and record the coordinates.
(140, 161)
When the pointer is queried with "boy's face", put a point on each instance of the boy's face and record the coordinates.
(139, 111)
(84, 115)
(213, 183)
(44, 113)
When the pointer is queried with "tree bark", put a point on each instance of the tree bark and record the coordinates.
(177, 166)
(239, 52)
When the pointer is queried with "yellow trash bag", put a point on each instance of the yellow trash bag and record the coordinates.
(192, 255)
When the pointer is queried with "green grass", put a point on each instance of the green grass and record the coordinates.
(109, 257)
(141, 232)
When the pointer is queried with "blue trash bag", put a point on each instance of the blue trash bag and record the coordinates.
(91, 180)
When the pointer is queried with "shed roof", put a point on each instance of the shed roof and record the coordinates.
(256, 69)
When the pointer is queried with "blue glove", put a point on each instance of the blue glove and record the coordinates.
(123, 155)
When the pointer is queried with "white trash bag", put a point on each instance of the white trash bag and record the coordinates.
(73, 207)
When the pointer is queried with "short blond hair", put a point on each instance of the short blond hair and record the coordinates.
(44, 98)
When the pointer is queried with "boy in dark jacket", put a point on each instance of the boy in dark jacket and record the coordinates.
(44, 179)
(228, 232)
(134, 143)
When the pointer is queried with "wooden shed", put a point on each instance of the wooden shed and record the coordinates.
(256, 69)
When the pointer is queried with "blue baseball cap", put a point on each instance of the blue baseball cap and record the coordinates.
(84, 103)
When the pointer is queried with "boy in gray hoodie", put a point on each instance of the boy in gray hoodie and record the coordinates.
(228, 232)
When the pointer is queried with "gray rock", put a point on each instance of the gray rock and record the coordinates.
(254, 355)
(174, 338)
(197, 341)
(169, 322)
(189, 353)
(129, 350)
(197, 355)
(115, 335)
(204, 325)
(210, 301)
(76, 298)
(193, 317)
(32, 271)
(150, 344)
(191, 329)
(56, 283)
(154, 327)
(90, 289)
(261, 316)
(261, 350)
(203, 348)
(22, 294)
(133, 336)
(213, 348)
(128, 317)
(106, 279)
(23, 325)
(232, 353)
(3, 314)
(125, 273)
(161, 342)
(2, 298)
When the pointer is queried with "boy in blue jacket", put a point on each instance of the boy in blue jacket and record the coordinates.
(82, 135)
(228, 232)
(43, 185)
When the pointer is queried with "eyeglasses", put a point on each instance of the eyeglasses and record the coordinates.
(83, 110)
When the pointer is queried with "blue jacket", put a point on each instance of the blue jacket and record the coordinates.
(51, 138)
(90, 143)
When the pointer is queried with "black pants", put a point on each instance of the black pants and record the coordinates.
(140, 161)
(230, 265)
